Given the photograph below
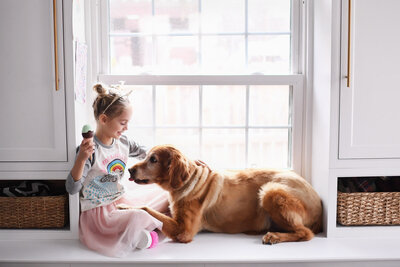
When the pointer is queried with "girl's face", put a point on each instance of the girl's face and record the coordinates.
(116, 126)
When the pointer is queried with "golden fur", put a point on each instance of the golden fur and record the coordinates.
(247, 201)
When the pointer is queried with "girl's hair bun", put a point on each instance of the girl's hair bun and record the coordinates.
(100, 89)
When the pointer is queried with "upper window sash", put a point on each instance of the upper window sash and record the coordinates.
(101, 19)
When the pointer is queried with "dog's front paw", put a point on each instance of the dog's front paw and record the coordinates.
(271, 238)
(183, 238)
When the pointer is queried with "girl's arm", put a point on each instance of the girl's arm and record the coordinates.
(135, 150)
(77, 170)
(81, 167)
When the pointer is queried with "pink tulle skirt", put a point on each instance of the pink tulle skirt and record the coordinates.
(116, 233)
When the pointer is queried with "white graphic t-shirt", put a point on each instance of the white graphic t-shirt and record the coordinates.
(101, 180)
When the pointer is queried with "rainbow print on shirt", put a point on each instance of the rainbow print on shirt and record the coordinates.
(116, 166)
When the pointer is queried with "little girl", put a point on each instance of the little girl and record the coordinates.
(99, 166)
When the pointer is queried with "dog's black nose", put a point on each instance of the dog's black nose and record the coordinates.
(132, 172)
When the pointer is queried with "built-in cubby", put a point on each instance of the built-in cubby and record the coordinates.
(363, 202)
(37, 209)
(34, 204)
(368, 201)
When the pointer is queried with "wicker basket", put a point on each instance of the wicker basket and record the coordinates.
(34, 212)
(377, 208)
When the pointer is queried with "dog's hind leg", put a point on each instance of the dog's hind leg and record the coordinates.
(287, 212)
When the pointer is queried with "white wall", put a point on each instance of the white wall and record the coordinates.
(321, 98)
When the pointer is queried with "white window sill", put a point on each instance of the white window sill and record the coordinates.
(208, 249)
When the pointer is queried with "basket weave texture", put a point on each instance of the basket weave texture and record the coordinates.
(33, 212)
(376, 208)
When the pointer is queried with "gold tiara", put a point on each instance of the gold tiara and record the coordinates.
(116, 97)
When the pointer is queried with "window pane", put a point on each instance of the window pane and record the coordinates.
(130, 54)
(177, 105)
(130, 16)
(222, 16)
(269, 105)
(176, 16)
(224, 148)
(269, 15)
(222, 54)
(186, 140)
(224, 105)
(268, 148)
(177, 54)
(142, 136)
(141, 99)
(269, 54)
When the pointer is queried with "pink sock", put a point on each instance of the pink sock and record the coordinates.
(154, 239)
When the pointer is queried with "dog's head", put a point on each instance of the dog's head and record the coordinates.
(164, 165)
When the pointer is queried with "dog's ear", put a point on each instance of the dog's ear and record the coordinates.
(178, 171)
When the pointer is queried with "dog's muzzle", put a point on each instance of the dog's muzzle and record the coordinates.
(132, 172)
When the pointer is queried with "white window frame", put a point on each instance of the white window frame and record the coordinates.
(100, 61)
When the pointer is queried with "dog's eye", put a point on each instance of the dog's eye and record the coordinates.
(153, 159)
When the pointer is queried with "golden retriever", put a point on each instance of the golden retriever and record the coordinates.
(257, 201)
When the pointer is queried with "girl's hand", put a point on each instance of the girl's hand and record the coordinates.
(86, 149)
(201, 163)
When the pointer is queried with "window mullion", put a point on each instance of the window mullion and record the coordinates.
(290, 129)
(154, 127)
(201, 120)
(247, 125)
(246, 27)
(200, 55)
(295, 28)
(246, 44)
(104, 30)
(153, 36)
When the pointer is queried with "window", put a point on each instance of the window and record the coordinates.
(216, 78)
